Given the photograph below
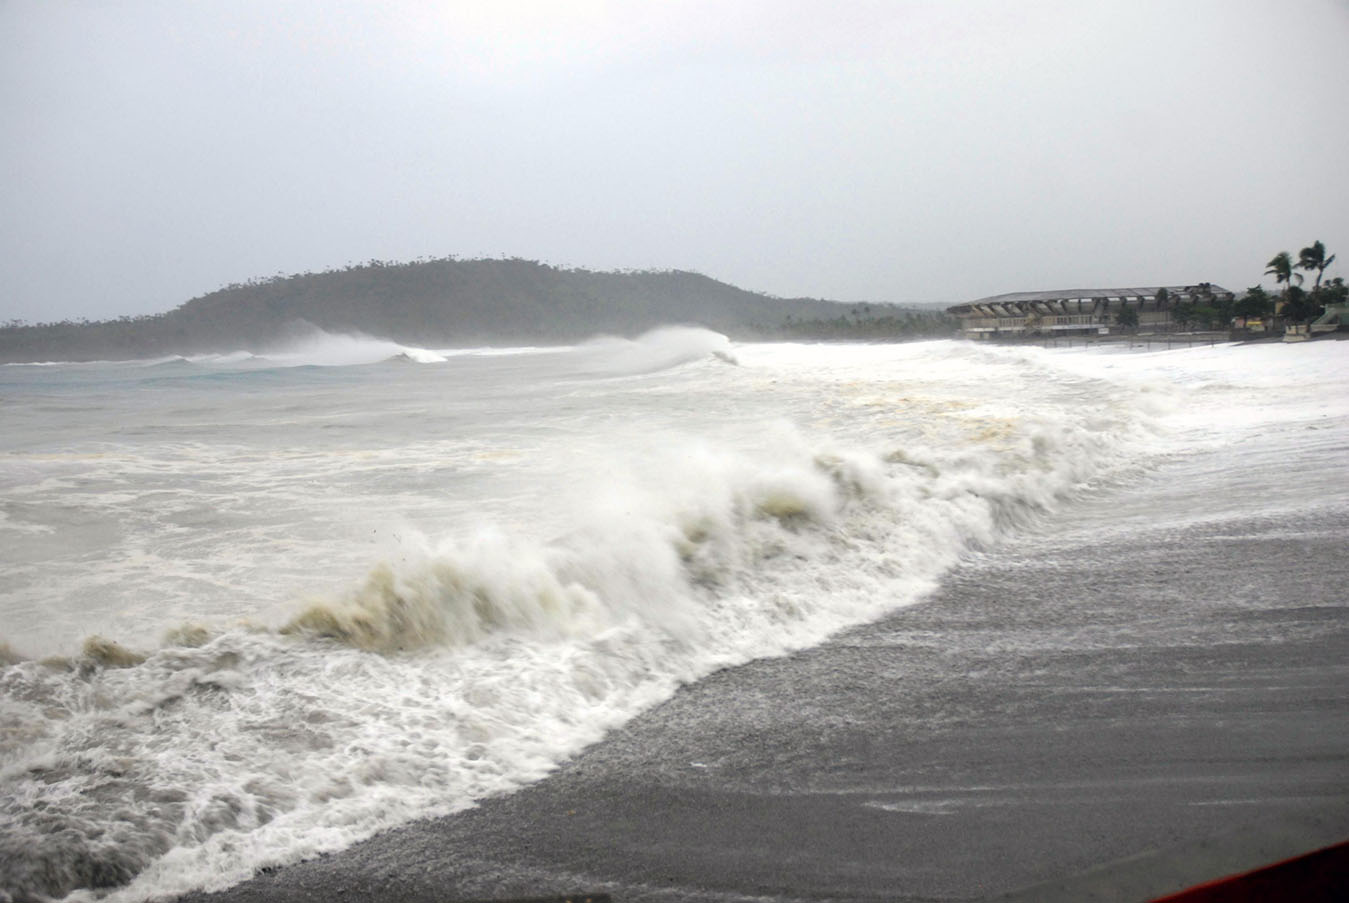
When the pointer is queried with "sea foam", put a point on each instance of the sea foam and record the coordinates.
(470, 660)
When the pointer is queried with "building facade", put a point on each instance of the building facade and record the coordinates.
(1080, 311)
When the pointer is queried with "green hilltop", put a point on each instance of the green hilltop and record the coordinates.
(449, 303)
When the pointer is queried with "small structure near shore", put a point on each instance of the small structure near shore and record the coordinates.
(1080, 311)
(1335, 318)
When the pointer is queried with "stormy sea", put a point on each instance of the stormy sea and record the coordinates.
(668, 618)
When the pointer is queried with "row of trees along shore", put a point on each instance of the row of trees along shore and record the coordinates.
(1291, 304)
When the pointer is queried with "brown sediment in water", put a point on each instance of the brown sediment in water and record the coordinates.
(102, 651)
(8, 656)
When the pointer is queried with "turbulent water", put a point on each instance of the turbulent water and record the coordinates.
(254, 608)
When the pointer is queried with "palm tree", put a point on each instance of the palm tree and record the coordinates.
(1314, 258)
(1281, 268)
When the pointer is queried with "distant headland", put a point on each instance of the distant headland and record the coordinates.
(458, 303)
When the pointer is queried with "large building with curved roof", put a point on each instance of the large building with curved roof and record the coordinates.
(1080, 311)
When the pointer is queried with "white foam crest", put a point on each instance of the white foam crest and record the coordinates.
(1211, 396)
(504, 350)
(657, 349)
(230, 357)
(134, 362)
(318, 348)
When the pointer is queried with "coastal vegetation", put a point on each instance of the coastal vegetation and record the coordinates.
(449, 302)
(1294, 304)
(1290, 304)
(867, 322)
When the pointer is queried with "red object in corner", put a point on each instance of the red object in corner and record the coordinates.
(1319, 877)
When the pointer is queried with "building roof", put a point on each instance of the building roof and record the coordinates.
(1087, 294)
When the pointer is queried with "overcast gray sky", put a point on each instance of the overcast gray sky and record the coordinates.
(883, 151)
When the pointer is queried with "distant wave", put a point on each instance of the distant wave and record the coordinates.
(233, 357)
(310, 346)
(655, 350)
(318, 348)
(130, 362)
(321, 348)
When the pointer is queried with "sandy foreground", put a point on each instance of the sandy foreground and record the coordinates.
(1081, 714)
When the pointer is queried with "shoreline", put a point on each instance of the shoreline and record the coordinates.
(1164, 340)
(1058, 721)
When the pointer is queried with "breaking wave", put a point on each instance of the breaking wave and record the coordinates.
(305, 345)
(472, 664)
(470, 661)
(314, 347)
(655, 350)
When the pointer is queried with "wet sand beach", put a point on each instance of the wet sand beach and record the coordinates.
(1116, 705)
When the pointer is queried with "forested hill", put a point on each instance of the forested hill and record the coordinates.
(442, 303)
